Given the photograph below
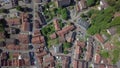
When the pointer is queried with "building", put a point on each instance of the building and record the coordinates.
(53, 36)
(8, 4)
(42, 54)
(57, 48)
(83, 24)
(23, 38)
(89, 53)
(103, 5)
(65, 62)
(112, 31)
(2, 35)
(38, 39)
(40, 18)
(25, 23)
(71, 37)
(13, 21)
(36, 33)
(37, 24)
(81, 5)
(80, 64)
(75, 64)
(38, 1)
(99, 38)
(61, 3)
(97, 58)
(109, 46)
(65, 30)
(56, 24)
(117, 14)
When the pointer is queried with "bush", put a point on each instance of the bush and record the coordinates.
(66, 45)
(66, 52)
(64, 13)
(19, 8)
(104, 54)
(91, 2)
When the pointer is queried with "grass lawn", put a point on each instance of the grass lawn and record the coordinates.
(115, 55)
(104, 54)
(53, 42)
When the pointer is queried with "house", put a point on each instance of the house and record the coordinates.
(8, 4)
(56, 24)
(99, 66)
(13, 21)
(25, 26)
(75, 64)
(83, 64)
(97, 58)
(61, 3)
(112, 31)
(65, 30)
(65, 62)
(71, 37)
(38, 1)
(80, 64)
(103, 5)
(89, 53)
(39, 17)
(23, 38)
(36, 33)
(53, 36)
(99, 38)
(27, 1)
(82, 5)
(117, 14)
(2, 35)
(38, 39)
(109, 46)
(37, 24)
(77, 52)
(58, 48)
(80, 44)
(49, 59)
(83, 24)
(78, 49)
(25, 23)
(42, 54)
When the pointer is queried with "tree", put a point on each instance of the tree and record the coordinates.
(19, 8)
(64, 13)
(104, 54)
(65, 52)
(66, 45)
(4, 11)
(111, 2)
(91, 2)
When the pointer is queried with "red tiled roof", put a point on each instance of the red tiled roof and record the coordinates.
(56, 24)
(108, 46)
(38, 39)
(41, 54)
(49, 59)
(81, 44)
(99, 38)
(75, 64)
(117, 14)
(97, 58)
(89, 53)
(65, 30)
(53, 36)
(13, 21)
(37, 32)
(23, 38)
